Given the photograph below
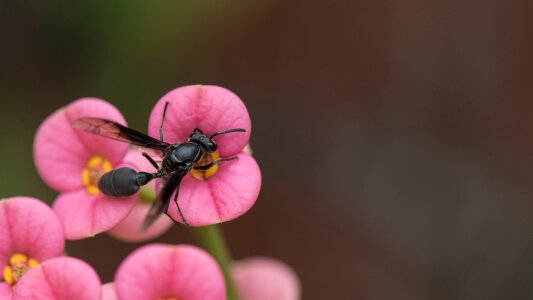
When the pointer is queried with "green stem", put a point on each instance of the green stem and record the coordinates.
(211, 239)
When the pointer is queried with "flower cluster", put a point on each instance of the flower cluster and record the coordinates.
(71, 161)
(30, 233)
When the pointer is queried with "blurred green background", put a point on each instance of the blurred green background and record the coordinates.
(395, 138)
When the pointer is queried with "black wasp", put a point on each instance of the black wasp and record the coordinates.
(177, 161)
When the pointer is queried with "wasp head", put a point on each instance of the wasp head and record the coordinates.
(203, 140)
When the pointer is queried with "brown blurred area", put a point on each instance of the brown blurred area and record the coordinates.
(395, 138)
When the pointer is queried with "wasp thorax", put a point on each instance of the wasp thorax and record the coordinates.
(95, 168)
(206, 159)
(18, 265)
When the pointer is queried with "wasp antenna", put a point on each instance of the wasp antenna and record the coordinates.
(228, 131)
(162, 121)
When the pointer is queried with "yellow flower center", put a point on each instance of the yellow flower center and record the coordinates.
(95, 168)
(206, 159)
(17, 266)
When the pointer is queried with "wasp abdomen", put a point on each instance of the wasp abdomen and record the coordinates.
(121, 182)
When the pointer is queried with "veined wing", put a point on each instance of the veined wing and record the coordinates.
(116, 131)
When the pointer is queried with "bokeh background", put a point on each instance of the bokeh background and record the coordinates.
(395, 138)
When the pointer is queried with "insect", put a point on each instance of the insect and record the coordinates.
(177, 160)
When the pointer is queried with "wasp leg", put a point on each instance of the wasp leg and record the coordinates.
(179, 209)
(165, 211)
(151, 160)
(209, 165)
(162, 120)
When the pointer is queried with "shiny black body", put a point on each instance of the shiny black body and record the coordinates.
(183, 155)
(177, 160)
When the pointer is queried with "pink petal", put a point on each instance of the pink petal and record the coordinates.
(109, 292)
(84, 215)
(5, 291)
(29, 226)
(61, 152)
(263, 278)
(129, 230)
(210, 108)
(231, 192)
(62, 278)
(163, 271)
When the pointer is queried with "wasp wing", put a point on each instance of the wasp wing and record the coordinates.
(161, 203)
(116, 131)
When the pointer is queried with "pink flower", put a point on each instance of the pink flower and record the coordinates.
(62, 278)
(30, 233)
(71, 162)
(159, 271)
(129, 229)
(225, 191)
(263, 278)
